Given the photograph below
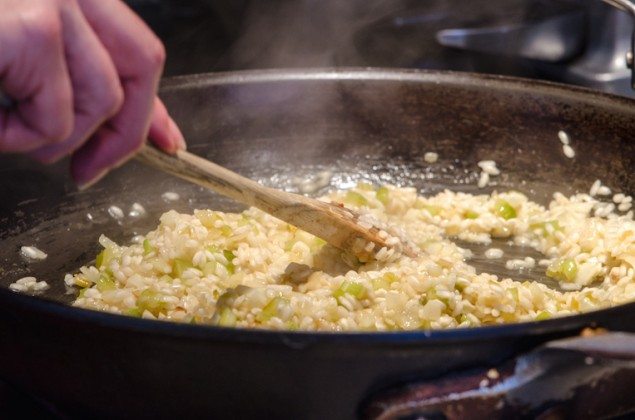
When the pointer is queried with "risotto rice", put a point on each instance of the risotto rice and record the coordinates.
(252, 270)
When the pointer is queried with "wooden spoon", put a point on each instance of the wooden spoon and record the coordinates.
(335, 224)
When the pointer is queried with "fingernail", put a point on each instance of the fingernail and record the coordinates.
(176, 135)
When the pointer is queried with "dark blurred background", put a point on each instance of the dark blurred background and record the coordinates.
(582, 42)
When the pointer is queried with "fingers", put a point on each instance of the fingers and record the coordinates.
(138, 57)
(97, 92)
(164, 132)
(33, 71)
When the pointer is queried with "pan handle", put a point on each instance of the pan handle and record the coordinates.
(581, 377)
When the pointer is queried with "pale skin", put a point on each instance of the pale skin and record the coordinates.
(83, 75)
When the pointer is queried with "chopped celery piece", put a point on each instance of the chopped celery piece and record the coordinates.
(229, 255)
(212, 249)
(380, 283)
(355, 198)
(147, 248)
(463, 319)
(231, 268)
(514, 293)
(319, 242)
(227, 317)
(179, 266)
(432, 294)
(292, 326)
(352, 288)
(470, 214)
(271, 309)
(166, 278)
(103, 257)
(391, 277)
(151, 301)
(564, 269)
(382, 195)
(504, 210)
(433, 210)
(99, 260)
(105, 282)
(226, 230)
(134, 311)
(543, 315)
(207, 217)
(209, 268)
(289, 245)
(384, 281)
(365, 186)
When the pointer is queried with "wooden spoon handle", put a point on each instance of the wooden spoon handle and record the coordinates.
(210, 175)
(335, 224)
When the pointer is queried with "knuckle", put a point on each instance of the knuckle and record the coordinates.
(155, 54)
(43, 26)
(110, 101)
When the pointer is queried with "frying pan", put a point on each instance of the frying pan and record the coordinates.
(374, 125)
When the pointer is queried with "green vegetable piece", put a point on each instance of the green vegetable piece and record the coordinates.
(366, 186)
(103, 257)
(433, 210)
(231, 268)
(99, 260)
(384, 281)
(514, 293)
(319, 242)
(292, 326)
(425, 325)
(505, 210)
(543, 315)
(147, 248)
(271, 309)
(151, 301)
(105, 282)
(356, 199)
(460, 286)
(135, 311)
(432, 294)
(547, 228)
(564, 269)
(463, 319)
(470, 214)
(352, 288)
(226, 231)
(569, 269)
(179, 266)
(227, 318)
(382, 195)
(209, 268)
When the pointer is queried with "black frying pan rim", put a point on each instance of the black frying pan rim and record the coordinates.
(303, 338)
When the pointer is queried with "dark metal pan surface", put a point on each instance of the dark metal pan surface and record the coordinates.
(373, 125)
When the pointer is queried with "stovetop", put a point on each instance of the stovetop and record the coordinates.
(581, 42)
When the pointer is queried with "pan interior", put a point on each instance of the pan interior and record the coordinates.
(359, 125)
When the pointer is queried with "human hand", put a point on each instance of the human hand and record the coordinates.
(83, 75)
